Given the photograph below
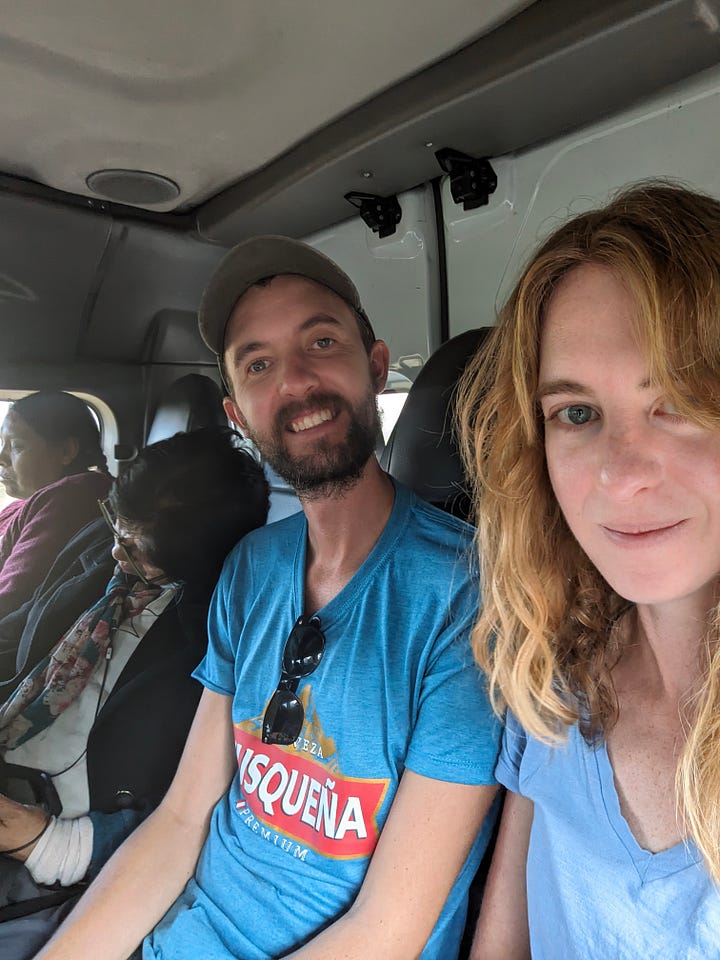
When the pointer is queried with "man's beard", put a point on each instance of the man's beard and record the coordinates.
(332, 467)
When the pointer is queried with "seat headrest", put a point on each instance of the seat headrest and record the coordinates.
(422, 451)
(191, 402)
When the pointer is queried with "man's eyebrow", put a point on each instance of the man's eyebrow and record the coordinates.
(320, 319)
(255, 346)
(243, 349)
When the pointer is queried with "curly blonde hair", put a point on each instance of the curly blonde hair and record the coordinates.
(546, 635)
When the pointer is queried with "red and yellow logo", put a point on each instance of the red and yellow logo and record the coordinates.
(300, 792)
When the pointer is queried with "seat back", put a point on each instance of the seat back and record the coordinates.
(422, 450)
(191, 402)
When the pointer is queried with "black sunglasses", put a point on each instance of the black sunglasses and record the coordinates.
(285, 714)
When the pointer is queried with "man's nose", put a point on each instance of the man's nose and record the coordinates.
(629, 461)
(297, 376)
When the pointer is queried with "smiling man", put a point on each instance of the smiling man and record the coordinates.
(334, 798)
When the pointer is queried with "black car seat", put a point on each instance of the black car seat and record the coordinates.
(188, 403)
(421, 451)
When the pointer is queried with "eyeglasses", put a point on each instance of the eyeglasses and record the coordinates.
(108, 518)
(285, 714)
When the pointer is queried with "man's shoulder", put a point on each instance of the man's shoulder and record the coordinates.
(273, 540)
(431, 552)
(431, 523)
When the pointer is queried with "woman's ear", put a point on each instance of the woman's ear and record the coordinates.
(70, 449)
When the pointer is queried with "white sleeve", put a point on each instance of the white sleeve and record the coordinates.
(62, 854)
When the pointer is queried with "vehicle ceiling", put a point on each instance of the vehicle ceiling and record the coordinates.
(204, 93)
(266, 115)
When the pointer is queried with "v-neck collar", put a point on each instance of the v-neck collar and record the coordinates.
(650, 866)
(383, 547)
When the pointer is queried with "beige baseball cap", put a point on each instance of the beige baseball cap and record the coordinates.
(261, 257)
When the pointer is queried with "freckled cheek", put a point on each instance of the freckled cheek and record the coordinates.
(697, 465)
(570, 478)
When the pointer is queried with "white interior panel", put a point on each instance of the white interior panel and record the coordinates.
(674, 135)
(396, 276)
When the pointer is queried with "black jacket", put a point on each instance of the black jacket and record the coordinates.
(138, 737)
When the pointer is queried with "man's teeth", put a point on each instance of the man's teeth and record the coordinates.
(311, 420)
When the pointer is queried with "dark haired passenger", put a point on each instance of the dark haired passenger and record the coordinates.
(105, 712)
(592, 425)
(52, 460)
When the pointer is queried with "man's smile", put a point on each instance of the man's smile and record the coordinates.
(309, 420)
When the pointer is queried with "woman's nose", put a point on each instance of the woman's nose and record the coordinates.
(629, 462)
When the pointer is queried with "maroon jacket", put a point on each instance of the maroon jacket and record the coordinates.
(38, 530)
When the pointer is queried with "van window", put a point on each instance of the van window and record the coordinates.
(4, 498)
(392, 400)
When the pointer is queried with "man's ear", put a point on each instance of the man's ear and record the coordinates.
(379, 364)
(233, 413)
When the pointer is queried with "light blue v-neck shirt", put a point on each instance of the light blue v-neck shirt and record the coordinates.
(593, 892)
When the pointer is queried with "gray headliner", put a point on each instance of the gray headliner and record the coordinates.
(556, 66)
(286, 163)
(89, 284)
(204, 93)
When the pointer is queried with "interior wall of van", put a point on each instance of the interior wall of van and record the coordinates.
(673, 134)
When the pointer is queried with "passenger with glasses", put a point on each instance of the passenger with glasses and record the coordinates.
(94, 730)
(335, 796)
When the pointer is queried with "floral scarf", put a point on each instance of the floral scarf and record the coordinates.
(60, 678)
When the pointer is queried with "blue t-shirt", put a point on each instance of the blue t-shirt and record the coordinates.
(593, 892)
(290, 843)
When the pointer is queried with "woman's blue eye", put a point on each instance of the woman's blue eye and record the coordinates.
(323, 342)
(576, 414)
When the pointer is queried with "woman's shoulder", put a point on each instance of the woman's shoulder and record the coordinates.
(65, 505)
(8, 512)
(78, 488)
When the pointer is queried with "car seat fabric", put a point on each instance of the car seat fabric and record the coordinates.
(422, 451)
(191, 402)
(27, 633)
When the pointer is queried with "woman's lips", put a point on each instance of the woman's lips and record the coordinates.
(642, 534)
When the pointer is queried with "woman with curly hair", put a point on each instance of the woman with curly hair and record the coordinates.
(591, 430)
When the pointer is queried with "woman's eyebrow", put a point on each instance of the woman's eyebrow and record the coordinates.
(553, 387)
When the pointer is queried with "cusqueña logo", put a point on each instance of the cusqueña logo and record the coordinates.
(300, 793)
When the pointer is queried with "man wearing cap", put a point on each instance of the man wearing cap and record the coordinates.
(335, 793)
